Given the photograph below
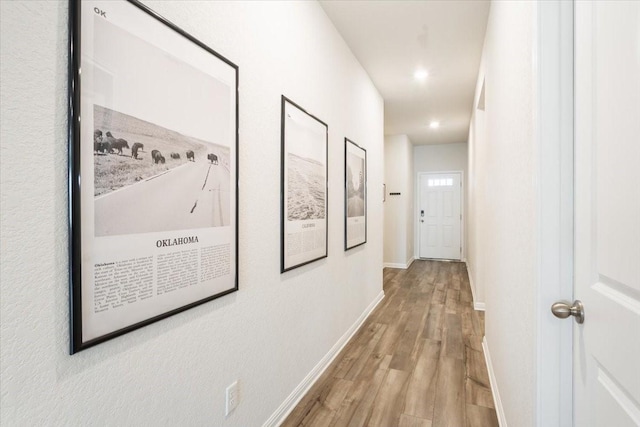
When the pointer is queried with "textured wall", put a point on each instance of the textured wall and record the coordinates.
(440, 158)
(398, 210)
(271, 333)
(505, 193)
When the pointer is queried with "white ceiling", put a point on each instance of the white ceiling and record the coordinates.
(392, 39)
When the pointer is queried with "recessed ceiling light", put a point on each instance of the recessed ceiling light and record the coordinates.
(421, 75)
(434, 125)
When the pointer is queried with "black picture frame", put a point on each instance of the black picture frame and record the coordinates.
(308, 136)
(144, 259)
(355, 199)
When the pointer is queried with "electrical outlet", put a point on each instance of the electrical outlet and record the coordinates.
(232, 398)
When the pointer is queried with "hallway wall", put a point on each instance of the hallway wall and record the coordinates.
(503, 204)
(440, 158)
(272, 332)
(398, 209)
(476, 188)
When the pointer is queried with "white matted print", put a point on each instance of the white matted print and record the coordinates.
(304, 187)
(355, 191)
(154, 139)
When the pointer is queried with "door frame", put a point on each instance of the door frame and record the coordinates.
(554, 134)
(416, 246)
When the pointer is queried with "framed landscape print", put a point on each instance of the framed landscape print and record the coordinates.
(153, 167)
(303, 188)
(355, 193)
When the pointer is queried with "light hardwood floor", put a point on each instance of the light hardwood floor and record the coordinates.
(416, 362)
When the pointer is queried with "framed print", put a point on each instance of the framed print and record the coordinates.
(355, 195)
(303, 237)
(153, 170)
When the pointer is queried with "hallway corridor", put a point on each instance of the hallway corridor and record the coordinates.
(416, 362)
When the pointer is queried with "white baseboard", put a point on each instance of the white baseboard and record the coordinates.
(502, 421)
(393, 265)
(471, 282)
(476, 305)
(298, 393)
(399, 264)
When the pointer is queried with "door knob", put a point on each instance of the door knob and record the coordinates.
(562, 310)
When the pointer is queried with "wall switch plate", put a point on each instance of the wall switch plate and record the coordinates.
(232, 398)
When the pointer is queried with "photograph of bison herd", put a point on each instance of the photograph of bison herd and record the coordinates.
(148, 178)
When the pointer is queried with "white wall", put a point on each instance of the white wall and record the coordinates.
(476, 189)
(410, 204)
(271, 333)
(503, 199)
(440, 158)
(398, 210)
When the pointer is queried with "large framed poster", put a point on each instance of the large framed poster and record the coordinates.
(304, 187)
(355, 195)
(153, 170)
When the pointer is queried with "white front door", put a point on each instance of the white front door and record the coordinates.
(607, 213)
(439, 215)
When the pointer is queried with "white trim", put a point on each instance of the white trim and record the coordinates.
(399, 264)
(394, 265)
(472, 283)
(416, 202)
(553, 126)
(477, 305)
(299, 392)
(502, 420)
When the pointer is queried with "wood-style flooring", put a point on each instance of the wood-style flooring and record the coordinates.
(416, 362)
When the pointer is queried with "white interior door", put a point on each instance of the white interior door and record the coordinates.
(607, 213)
(439, 215)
